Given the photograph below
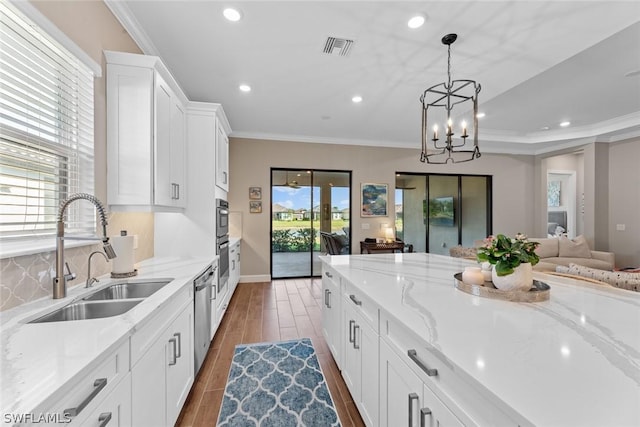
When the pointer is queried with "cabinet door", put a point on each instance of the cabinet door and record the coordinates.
(331, 315)
(179, 363)
(366, 342)
(129, 135)
(163, 191)
(351, 366)
(178, 154)
(148, 384)
(400, 391)
(222, 159)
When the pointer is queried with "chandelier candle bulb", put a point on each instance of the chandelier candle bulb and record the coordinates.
(435, 132)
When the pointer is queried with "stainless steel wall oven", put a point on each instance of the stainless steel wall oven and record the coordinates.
(222, 244)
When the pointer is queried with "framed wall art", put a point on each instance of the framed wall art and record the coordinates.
(255, 207)
(255, 193)
(374, 200)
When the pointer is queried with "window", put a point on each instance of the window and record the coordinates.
(46, 130)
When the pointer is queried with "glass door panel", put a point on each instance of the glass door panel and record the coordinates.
(304, 202)
(474, 209)
(443, 216)
(411, 196)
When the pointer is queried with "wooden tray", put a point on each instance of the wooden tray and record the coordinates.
(538, 292)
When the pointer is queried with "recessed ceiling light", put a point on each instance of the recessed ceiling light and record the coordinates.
(544, 128)
(416, 21)
(480, 115)
(244, 88)
(565, 124)
(357, 99)
(232, 15)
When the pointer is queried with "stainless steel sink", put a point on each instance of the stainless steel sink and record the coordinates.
(128, 290)
(84, 310)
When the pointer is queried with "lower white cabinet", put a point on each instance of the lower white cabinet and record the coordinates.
(360, 353)
(234, 266)
(162, 377)
(332, 314)
(404, 399)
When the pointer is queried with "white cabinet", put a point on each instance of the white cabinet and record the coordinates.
(360, 345)
(105, 388)
(222, 158)
(163, 375)
(234, 267)
(404, 399)
(145, 134)
(332, 313)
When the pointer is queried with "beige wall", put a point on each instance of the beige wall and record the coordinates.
(624, 202)
(93, 28)
(251, 160)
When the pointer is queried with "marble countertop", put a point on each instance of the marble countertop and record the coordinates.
(571, 361)
(39, 358)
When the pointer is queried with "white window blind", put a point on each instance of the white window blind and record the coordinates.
(46, 131)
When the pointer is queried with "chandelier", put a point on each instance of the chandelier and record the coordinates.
(437, 107)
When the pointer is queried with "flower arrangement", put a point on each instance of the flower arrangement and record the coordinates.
(507, 253)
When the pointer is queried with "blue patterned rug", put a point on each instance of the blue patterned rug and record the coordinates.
(278, 384)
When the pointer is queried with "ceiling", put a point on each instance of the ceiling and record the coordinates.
(539, 63)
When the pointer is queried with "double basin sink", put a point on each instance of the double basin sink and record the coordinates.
(107, 302)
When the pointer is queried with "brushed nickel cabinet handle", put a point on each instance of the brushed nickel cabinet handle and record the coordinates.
(98, 385)
(355, 300)
(179, 344)
(351, 324)
(423, 416)
(355, 337)
(326, 273)
(432, 372)
(175, 358)
(104, 419)
(412, 397)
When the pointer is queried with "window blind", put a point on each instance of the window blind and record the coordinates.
(46, 131)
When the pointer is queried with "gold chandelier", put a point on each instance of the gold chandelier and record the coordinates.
(438, 104)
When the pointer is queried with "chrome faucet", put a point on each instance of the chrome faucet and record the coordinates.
(92, 280)
(60, 281)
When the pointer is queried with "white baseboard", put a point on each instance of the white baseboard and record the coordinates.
(256, 278)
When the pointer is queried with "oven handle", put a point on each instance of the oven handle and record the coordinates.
(224, 245)
(223, 212)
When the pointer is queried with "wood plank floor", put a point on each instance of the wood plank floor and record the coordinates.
(260, 312)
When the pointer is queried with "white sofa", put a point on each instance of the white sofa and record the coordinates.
(556, 251)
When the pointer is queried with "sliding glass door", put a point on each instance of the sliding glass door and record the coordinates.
(436, 212)
(303, 203)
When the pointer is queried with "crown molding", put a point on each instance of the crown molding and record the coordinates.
(126, 18)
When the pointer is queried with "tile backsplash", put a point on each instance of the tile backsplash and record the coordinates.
(29, 277)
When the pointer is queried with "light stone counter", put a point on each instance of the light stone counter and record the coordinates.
(38, 359)
(571, 361)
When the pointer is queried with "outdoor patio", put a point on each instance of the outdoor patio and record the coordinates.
(295, 264)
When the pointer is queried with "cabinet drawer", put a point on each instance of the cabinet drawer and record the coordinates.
(143, 338)
(466, 398)
(363, 305)
(113, 411)
(84, 395)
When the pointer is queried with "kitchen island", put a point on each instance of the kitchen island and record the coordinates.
(571, 360)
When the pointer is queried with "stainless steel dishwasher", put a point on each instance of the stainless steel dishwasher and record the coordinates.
(202, 314)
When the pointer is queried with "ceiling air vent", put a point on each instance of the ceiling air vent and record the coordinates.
(338, 46)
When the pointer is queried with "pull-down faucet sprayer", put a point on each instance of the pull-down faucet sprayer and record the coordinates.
(60, 281)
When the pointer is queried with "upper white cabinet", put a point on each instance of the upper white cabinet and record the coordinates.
(222, 154)
(146, 134)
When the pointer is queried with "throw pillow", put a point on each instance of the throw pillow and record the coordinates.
(619, 279)
(547, 248)
(574, 248)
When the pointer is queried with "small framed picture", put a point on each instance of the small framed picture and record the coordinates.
(374, 200)
(255, 193)
(255, 207)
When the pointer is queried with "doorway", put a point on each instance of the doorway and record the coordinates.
(561, 203)
(303, 203)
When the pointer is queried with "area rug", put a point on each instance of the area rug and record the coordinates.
(277, 384)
